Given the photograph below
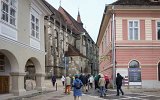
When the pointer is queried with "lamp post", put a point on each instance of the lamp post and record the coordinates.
(113, 46)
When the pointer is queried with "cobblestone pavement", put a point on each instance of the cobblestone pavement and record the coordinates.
(92, 94)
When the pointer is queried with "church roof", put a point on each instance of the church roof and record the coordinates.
(70, 20)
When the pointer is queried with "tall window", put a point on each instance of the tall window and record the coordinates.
(34, 26)
(2, 62)
(102, 47)
(8, 11)
(133, 30)
(159, 71)
(134, 71)
(158, 30)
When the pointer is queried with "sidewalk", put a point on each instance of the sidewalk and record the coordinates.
(151, 91)
(48, 85)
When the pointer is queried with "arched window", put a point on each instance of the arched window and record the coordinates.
(134, 71)
(134, 64)
(159, 71)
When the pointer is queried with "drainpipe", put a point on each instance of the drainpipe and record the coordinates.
(113, 47)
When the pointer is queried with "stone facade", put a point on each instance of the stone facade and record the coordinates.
(71, 40)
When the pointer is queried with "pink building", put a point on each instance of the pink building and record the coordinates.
(129, 42)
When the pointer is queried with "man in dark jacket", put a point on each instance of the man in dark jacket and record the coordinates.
(53, 80)
(119, 79)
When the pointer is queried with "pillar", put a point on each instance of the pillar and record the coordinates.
(40, 86)
(17, 87)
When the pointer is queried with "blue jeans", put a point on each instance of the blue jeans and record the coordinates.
(102, 90)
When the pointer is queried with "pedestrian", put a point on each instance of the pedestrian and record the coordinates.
(84, 81)
(53, 80)
(72, 79)
(68, 85)
(119, 79)
(102, 83)
(107, 82)
(91, 80)
(63, 79)
(96, 79)
(77, 84)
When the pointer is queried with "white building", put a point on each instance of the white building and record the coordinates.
(22, 44)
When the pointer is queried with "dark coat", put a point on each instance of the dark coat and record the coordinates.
(119, 79)
(53, 78)
(83, 78)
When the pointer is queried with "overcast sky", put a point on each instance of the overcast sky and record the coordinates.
(91, 12)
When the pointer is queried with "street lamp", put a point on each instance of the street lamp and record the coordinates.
(113, 47)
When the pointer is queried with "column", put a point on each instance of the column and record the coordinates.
(17, 87)
(40, 86)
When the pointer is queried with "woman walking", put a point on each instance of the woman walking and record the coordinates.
(77, 84)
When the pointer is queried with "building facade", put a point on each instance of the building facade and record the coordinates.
(71, 41)
(22, 49)
(129, 42)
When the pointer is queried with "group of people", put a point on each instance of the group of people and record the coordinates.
(82, 83)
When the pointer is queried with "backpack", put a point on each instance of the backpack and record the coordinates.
(77, 84)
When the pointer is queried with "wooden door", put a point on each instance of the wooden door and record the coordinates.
(4, 84)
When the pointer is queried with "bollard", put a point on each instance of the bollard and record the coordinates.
(88, 86)
(56, 86)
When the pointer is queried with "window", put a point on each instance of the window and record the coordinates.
(134, 71)
(134, 64)
(102, 46)
(83, 41)
(158, 30)
(34, 27)
(8, 11)
(133, 30)
(2, 62)
(159, 71)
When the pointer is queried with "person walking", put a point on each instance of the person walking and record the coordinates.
(84, 81)
(53, 80)
(68, 85)
(77, 84)
(119, 79)
(107, 82)
(102, 83)
(96, 80)
(63, 79)
(91, 80)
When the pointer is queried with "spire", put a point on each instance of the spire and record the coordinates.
(79, 18)
(60, 3)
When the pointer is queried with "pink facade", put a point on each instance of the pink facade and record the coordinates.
(144, 49)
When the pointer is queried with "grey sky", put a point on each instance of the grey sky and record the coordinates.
(91, 12)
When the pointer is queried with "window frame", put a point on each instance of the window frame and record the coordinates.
(135, 61)
(2, 60)
(10, 16)
(158, 71)
(158, 21)
(133, 21)
(36, 16)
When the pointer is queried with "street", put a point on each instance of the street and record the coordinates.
(94, 95)
(52, 94)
